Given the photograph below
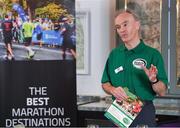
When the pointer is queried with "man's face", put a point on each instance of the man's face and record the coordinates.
(127, 27)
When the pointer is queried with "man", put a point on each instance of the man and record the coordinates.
(7, 26)
(67, 31)
(136, 66)
(27, 29)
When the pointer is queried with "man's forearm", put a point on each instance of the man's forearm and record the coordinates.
(107, 87)
(159, 88)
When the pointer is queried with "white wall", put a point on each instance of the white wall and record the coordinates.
(101, 40)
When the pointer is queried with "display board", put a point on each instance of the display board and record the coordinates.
(38, 64)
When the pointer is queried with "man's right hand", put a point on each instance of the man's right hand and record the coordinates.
(119, 93)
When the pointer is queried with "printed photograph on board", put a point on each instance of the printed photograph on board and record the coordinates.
(37, 30)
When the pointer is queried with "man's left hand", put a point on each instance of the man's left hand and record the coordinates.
(151, 72)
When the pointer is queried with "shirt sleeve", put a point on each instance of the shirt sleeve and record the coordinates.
(105, 76)
(159, 63)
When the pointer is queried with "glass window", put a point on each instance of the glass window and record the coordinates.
(178, 43)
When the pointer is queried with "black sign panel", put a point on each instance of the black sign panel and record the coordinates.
(38, 93)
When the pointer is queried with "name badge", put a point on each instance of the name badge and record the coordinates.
(119, 69)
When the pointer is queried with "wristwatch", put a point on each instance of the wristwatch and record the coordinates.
(154, 82)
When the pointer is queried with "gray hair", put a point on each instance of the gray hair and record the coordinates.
(136, 17)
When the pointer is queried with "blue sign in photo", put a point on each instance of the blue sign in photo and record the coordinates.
(52, 37)
(20, 11)
(49, 37)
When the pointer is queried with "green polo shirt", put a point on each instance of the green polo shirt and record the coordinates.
(122, 69)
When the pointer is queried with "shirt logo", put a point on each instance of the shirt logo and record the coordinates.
(119, 69)
(139, 62)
